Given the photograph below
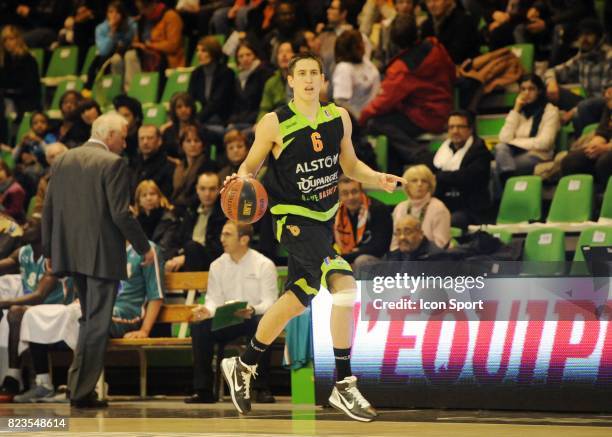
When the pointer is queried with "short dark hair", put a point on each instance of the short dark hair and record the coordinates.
(345, 49)
(301, 56)
(212, 45)
(245, 229)
(404, 31)
(344, 179)
(151, 126)
(186, 99)
(468, 115)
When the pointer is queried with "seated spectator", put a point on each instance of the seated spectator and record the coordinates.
(28, 171)
(131, 109)
(307, 41)
(158, 43)
(276, 91)
(412, 244)
(463, 167)
(197, 15)
(135, 310)
(596, 157)
(113, 37)
(362, 228)
(212, 84)
(250, 82)
(69, 101)
(529, 132)
(374, 12)
(36, 286)
(456, 30)
(228, 14)
(85, 114)
(41, 20)
(502, 17)
(432, 214)
(356, 80)
(182, 114)
(156, 217)
(553, 24)
(592, 69)
(384, 50)
(240, 274)
(236, 151)
(152, 162)
(12, 194)
(416, 95)
(19, 78)
(285, 27)
(200, 228)
(193, 163)
(51, 153)
(80, 26)
(37, 138)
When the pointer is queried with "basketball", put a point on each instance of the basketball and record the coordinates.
(244, 200)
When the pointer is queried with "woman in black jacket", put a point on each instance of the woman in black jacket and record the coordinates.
(249, 85)
(156, 217)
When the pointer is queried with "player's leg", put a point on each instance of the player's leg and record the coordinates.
(239, 371)
(43, 390)
(345, 395)
(12, 381)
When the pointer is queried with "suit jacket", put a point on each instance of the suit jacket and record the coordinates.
(86, 216)
(216, 221)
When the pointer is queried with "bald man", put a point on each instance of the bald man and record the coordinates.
(412, 243)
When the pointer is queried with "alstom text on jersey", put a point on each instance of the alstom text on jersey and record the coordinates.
(316, 164)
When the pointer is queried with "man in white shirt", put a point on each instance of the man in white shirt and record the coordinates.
(240, 274)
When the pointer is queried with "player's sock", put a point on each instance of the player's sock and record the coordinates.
(44, 379)
(343, 363)
(253, 351)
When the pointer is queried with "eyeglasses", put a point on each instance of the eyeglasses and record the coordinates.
(458, 126)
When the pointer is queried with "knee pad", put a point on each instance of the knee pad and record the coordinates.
(344, 298)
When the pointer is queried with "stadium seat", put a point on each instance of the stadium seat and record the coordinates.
(389, 199)
(92, 52)
(177, 81)
(24, 127)
(544, 252)
(144, 87)
(521, 200)
(39, 55)
(525, 53)
(595, 236)
(573, 199)
(606, 206)
(63, 64)
(107, 88)
(62, 87)
(154, 114)
(503, 235)
(7, 157)
(381, 150)
(590, 128)
(489, 126)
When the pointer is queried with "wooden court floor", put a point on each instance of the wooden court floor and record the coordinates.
(171, 417)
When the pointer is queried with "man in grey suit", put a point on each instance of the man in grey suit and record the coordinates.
(86, 221)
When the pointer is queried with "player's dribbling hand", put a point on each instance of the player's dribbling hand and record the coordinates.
(388, 182)
(232, 177)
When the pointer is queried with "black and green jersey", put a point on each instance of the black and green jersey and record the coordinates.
(303, 180)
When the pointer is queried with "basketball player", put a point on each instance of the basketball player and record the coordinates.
(309, 144)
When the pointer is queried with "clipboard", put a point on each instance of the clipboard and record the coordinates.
(224, 315)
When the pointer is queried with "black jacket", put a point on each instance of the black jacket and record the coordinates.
(458, 33)
(468, 187)
(19, 81)
(247, 100)
(161, 227)
(426, 251)
(221, 95)
(377, 235)
(157, 168)
(215, 224)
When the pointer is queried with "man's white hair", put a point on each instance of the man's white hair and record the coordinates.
(53, 146)
(107, 123)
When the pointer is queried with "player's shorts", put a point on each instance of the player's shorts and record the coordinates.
(311, 256)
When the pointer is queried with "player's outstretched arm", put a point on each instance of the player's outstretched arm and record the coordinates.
(356, 169)
(266, 132)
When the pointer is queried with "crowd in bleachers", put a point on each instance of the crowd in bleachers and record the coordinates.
(474, 102)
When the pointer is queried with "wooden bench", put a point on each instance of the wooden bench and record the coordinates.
(188, 282)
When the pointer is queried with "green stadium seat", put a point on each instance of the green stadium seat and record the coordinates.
(39, 56)
(144, 87)
(456, 232)
(573, 199)
(390, 199)
(606, 206)
(24, 127)
(62, 87)
(381, 149)
(503, 235)
(590, 128)
(525, 53)
(31, 206)
(92, 52)
(490, 126)
(521, 200)
(154, 114)
(595, 236)
(107, 88)
(63, 63)
(544, 252)
(7, 157)
(178, 81)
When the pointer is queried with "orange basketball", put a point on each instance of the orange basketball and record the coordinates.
(244, 200)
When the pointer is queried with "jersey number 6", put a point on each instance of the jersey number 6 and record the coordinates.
(317, 144)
